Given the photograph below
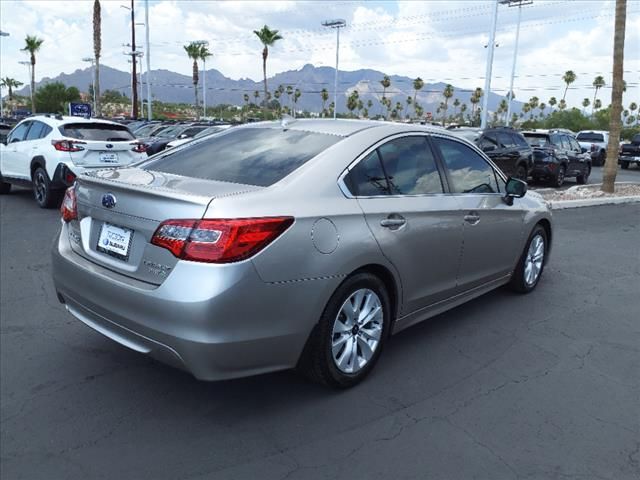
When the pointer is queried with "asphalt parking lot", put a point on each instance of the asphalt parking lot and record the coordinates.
(542, 386)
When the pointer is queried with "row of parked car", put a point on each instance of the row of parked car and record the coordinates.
(46, 152)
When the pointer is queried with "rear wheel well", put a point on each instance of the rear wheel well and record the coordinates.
(544, 223)
(389, 281)
(37, 162)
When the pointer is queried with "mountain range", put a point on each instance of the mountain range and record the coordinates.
(168, 86)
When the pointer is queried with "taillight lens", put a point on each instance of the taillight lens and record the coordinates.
(139, 147)
(219, 240)
(69, 207)
(68, 145)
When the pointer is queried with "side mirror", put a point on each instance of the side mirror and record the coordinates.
(15, 139)
(488, 148)
(515, 188)
(183, 136)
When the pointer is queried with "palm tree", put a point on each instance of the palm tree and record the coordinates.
(611, 165)
(193, 52)
(268, 38)
(569, 77)
(533, 103)
(386, 83)
(552, 102)
(463, 108)
(456, 104)
(324, 95)
(585, 104)
(277, 94)
(289, 93)
(418, 110)
(296, 95)
(541, 107)
(418, 84)
(447, 94)
(256, 96)
(598, 83)
(409, 103)
(97, 45)
(633, 106)
(597, 105)
(31, 45)
(398, 110)
(562, 105)
(11, 83)
(502, 107)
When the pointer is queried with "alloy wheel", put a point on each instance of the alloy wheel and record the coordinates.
(534, 259)
(357, 331)
(40, 189)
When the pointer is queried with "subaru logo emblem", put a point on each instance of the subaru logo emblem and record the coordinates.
(108, 200)
(109, 145)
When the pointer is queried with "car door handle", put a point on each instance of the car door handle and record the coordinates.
(472, 218)
(393, 222)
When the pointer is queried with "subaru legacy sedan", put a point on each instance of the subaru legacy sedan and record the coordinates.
(306, 244)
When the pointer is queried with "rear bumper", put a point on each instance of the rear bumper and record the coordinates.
(215, 321)
(547, 169)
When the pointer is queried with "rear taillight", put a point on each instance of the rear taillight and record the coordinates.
(69, 207)
(219, 240)
(67, 145)
(139, 147)
(69, 177)
(593, 147)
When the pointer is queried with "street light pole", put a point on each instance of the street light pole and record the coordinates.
(2, 34)
(146, 23)
(337, 23)
(487, 80)
(519, 4)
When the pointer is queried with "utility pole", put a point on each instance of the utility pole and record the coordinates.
(2, 34)
(519, 4)
(146, 23)
(337, 23)
(487, 78)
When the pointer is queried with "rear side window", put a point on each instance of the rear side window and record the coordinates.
(410, 166)
(251, 156)
(367, 178)
(468, 171)
(102, 132)
(38, 130)
(506, 140)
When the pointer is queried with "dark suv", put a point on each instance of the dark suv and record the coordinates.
(507, 148)
(556, 156)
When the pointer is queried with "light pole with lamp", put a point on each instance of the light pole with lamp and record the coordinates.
(519, 4)
(93, 86)
(2, 34)
(337, 23)
(487, 78)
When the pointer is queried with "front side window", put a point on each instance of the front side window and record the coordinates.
(468, 171)
(367, 178)
(19, 132)
(410, 166)
(250, 156)
(506, 140)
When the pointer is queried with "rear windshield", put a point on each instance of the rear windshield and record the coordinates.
(252, 156)
(104, 132)
(539, 140)
(590, 137)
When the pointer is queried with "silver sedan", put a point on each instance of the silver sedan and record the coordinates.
(302, 244)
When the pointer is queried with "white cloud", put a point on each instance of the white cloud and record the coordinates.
(437, 40)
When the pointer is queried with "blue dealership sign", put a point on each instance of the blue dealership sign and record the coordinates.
(80, 109)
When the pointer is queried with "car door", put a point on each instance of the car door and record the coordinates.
(492, 229)
(12, 155)
(580, 160)
(492, 147)
(572, 157)
(417, 226)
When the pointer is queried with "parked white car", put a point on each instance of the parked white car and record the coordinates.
(208, 131)
(47, 153)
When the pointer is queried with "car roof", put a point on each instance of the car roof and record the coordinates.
(343, 127)
(593, 131)
(57, 120)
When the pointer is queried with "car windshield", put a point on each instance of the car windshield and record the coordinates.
(537, 140)
(105, 132)
(590, 137)
(251, 156)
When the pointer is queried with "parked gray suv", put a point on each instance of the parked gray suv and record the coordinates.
(271, 246)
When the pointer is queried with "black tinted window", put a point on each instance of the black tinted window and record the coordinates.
(367, 178)
(537, 140)
(19, 132)
(566, 142)
(252, 156)
(104, 132)
(590, 137)
(506, 140)
(410, 166)
(468, 171)
(35, 131)
(520, 140)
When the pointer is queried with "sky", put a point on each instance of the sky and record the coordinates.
(438, 40)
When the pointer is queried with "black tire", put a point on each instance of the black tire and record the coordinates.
(316, 361)
(521, 173)
(584, 178)
(558, 179)
(624, 165)
(518, 282)
(602, 158)
(44, 195)
(4, 186)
